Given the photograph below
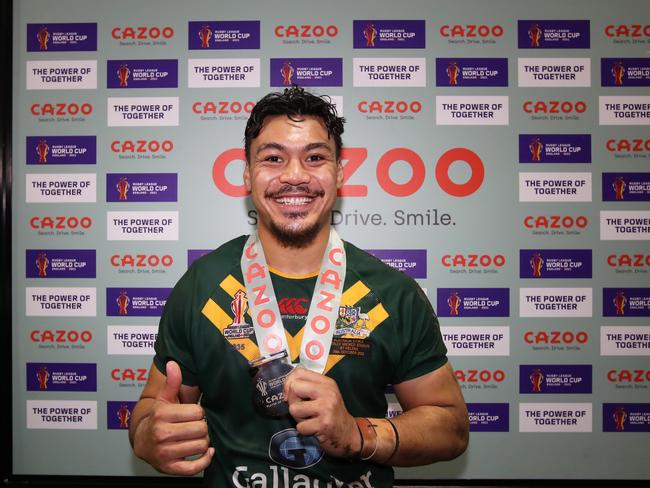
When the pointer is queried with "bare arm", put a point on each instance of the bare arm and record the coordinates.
(433, 427)
(167, 425)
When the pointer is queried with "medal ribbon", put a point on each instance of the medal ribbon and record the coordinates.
(323, 311)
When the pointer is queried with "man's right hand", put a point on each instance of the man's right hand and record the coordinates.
(171, 431)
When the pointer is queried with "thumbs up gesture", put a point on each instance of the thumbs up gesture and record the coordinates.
(164, 431)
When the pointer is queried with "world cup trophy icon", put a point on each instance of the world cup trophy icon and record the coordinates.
(42, 375)
(42, 149)
(123, 301)
(123, 73)
(43, 37)
(535, 35)
(287, 73)
(619, 187)
(205, 34)
(124, 415)
(536, 378)
(42, 264)
(453, 72)
(618, 72)
(239, 307)
(122, 187)
(620, 416)
(454, 303)
(370, 34)
(620, 301)
(537, 263)
(536, 147)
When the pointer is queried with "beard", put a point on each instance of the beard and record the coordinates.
(295, 236)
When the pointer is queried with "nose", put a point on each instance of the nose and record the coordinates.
(294, 172)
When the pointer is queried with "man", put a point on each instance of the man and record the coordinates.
(366, 326)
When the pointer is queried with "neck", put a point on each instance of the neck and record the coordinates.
(292, 260)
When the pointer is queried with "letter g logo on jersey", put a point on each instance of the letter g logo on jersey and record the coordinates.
(292, 449)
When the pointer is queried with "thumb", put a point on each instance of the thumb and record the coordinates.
(172, 387)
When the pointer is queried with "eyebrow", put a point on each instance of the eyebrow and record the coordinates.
(279, 147)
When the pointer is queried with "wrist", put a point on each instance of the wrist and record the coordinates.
(378, 439)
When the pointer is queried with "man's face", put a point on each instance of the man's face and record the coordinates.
(293, 176)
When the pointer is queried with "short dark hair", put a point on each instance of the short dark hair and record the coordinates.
(294, 102)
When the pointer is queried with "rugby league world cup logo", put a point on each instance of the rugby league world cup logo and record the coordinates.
(454, 303)
(239, 307)
(620, 300)
(42, 375)
(618, 72)
(123, 303)
(536, 378)
(619, 187)
(535, 35)
(122, 187)
(620, 416)
(205, 34)
(287, 73)
(123, 415)
(536, 147)
(43, 37)
(41, 264)
(453, 71)
(123, 73)
(42, 149)
(536, 263)
(369, 34)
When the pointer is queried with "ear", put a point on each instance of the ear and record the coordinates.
(247, 175)
(340, 174)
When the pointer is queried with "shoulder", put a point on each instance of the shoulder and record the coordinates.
(219, 262)
(389, 284)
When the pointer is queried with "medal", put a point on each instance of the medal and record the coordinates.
(268, 392)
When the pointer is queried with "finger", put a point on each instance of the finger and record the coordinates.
(300, 389)
(308, 426)
(183, 449)
(302, 410)
(178, 412)
(188, 468)
(167, 432)
(173, 383)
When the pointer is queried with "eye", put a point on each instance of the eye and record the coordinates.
(272, 159)
(315, 158)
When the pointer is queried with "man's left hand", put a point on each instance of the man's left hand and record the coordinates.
(317, 406)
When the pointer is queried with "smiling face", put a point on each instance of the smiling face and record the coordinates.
(293, 176)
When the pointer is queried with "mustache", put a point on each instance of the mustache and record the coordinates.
(301, 190)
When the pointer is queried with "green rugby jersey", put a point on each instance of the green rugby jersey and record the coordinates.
(386, 333)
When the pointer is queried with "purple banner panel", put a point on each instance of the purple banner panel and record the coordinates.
(141, 187)
(555, 263)
(60, 263)
(61, 150)
(625, 71)
(626, 302)
(473, 302)
(489, 417)
(413, 262)
(213, 34)
(626, 417)
(62, 37)
(626, 187)
(555, 148)
(307, 71)
(555, 378)
(136, 302)
(118, 414)
(471, 71)
(142, 73)
(194, 254)
(553, 34)
(61, 377)
(389, 34)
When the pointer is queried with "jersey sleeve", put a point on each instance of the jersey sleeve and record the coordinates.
(422, 347)
(174, 339)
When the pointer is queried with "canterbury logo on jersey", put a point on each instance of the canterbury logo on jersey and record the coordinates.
(293, 306)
